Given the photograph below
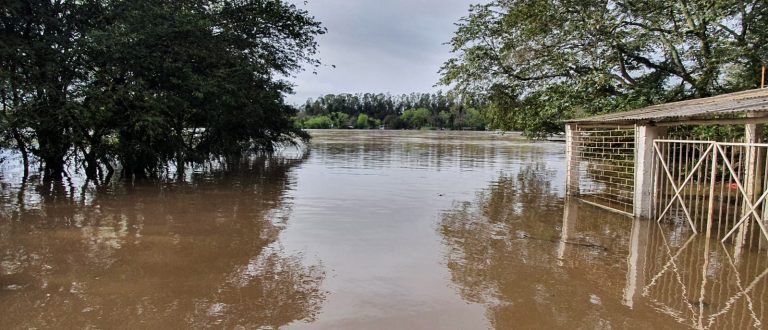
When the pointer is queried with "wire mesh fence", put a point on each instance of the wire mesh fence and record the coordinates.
(604, 161)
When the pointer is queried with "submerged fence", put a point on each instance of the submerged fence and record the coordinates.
(604, 161)
(716, 188)
(700, 284)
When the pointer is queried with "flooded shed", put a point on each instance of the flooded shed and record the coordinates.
(653, 163)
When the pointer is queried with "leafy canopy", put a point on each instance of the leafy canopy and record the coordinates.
(144, 82)
(542, 61)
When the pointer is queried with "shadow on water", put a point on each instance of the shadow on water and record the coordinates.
(195, 254)
(536, 260)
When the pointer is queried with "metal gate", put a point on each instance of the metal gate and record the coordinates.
(717, 188)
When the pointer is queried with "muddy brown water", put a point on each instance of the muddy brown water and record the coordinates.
(369, 230)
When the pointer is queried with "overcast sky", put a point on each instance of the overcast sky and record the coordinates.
(393, 46)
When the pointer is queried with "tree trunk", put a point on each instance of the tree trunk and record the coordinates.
(54, 168)
(110, 171)
(179, 168)
(91, 165)
(52, 151)
(133, 171)
(23, 148)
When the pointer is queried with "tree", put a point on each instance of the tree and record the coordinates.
(475, 119)
(339, 119)
(42, 76)
(542, 61)
(318, 122)
(145, 82)
(444, 110)
(445, 119)
(362, 121)
(393, 122)
(416, 118)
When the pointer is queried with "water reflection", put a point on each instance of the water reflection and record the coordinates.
(197, 254)
(700, 282)
(217, 250)
(421, 150)
(535, 260)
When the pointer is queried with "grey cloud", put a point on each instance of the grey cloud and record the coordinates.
(379, 46)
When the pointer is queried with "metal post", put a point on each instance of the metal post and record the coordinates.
(712, 185)
(644, 137)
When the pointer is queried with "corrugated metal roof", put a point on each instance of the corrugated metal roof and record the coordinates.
(750, 101)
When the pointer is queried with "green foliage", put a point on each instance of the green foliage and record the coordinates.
(382, 106)
(540, 62)
(395, 112)
(145, 82)
(318, 122)
(710, 132)
(416, 118)
(475, 119)
(378, 105)
(393, 122)
(339, 120)
(445, 119)
(363, 121)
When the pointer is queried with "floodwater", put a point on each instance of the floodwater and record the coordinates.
(369, 230)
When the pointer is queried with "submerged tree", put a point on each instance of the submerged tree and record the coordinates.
(542, 61)
(147, 82)
(42, 72)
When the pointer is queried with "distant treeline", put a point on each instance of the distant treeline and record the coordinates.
(406, 111)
